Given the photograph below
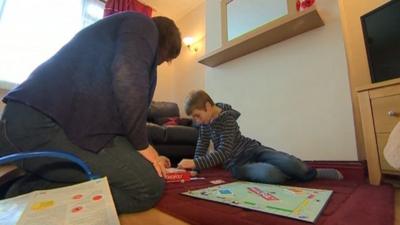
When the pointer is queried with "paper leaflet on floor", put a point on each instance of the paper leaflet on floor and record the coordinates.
(86, 203)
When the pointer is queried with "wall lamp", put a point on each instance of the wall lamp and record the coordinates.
(189, 43)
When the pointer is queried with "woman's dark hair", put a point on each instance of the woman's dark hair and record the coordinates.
(169, 39)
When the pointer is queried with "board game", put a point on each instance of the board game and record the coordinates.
(294, 202)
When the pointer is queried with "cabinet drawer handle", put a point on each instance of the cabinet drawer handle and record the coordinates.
(392, 113)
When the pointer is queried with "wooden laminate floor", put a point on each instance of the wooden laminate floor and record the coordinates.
(152, 216)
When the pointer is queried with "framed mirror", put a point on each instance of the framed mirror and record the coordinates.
(243, 16)
(249, 25)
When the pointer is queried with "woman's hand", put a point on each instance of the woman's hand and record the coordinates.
(186, 164)
(164, 161)
(152, 156)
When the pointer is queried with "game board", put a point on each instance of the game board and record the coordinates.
(294, 202)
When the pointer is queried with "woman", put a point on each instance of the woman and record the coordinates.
(91, 99)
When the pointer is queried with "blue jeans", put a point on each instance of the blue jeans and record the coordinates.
(266, 165)
(134, 183)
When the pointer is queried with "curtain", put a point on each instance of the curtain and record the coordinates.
(2, 3)
(115, 6)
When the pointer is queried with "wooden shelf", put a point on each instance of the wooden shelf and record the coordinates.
(266, 35)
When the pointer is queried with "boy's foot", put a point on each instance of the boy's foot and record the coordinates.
(328, 173)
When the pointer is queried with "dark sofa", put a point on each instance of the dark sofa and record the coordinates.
(170, 134)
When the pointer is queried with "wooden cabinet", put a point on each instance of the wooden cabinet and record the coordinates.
(380, 112)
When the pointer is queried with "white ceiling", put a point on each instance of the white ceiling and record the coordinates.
(174, 9)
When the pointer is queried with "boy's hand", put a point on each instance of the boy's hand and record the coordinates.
(164, 161)
(186, 164)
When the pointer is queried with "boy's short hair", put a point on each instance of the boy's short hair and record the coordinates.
(169, 36)
(197, 100)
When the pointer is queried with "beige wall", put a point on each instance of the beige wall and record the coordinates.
(359, 75)
(294, 95)
(184, 73)
(4, 88)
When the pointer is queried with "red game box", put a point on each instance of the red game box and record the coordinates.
(178, 175)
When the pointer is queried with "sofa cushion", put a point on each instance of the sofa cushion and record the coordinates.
(176, 152)
(177, 134)
(167, 120)
(173, 121)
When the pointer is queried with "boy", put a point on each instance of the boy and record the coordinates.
(245, 158)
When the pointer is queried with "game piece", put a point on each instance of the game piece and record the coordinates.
(197, 178)
(217, 181)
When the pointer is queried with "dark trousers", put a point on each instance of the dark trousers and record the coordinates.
(134, 183)
(266, 165)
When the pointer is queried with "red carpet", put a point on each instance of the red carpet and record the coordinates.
(354, 202)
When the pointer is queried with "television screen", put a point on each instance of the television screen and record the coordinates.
(381, 28)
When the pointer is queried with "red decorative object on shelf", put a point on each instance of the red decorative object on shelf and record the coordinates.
(302, 5)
